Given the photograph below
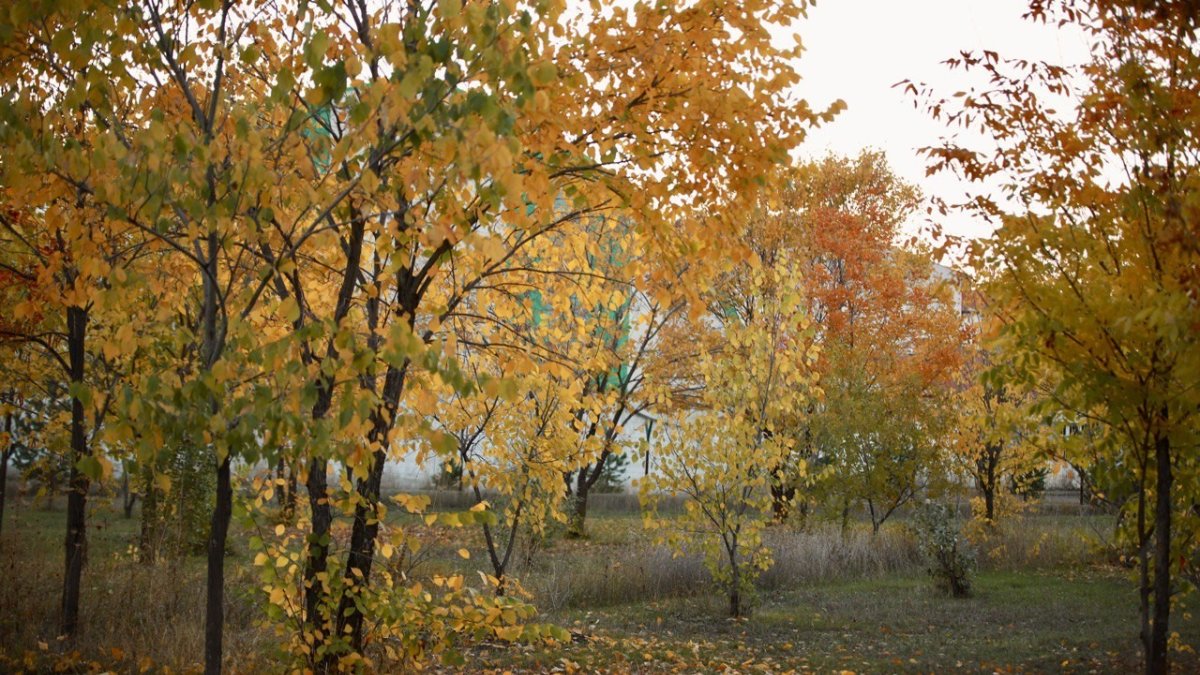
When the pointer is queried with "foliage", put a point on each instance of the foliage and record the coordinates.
(295, 202)
(1093, 266)
(889, 327)
(756, 376)
(995, 436)
(949, 558)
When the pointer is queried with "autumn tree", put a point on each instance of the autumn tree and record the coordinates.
(64, 260)
(888, 327)
(757, 374)
(331, 182)
(995, 432)
(1092, 267)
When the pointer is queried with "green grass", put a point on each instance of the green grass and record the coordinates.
(1076, 622)
(1043, 602)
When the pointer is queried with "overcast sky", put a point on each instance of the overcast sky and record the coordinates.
(856, 50)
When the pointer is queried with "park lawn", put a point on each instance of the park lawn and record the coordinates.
(1083, 621)
(659, 617)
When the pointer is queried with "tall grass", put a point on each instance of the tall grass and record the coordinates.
(156, 612)
(152, 614)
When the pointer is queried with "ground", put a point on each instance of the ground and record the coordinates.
(1046, 599)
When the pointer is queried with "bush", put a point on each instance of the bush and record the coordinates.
(948, 557)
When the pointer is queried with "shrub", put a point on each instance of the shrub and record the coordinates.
(948, 557)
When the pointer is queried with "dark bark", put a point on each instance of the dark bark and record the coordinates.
(781, 500)
(735, 576)
(128, 496)
(366, 523)
(211, 347)
(215, 597)
(317, 561)
(585, 479)
(1156, 657)
(76, 539)
(289, 495)
(148, 538)
(987, 479)
(8, 427)
(1144, 588)
(500, 560)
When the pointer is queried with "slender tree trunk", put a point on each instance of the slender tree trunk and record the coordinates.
(735, 577)
(8, 427)
(148, 537)
(362, 551)
(211, 347)
(289, 498)
(215, 600)
(128, 496)
(577, 528)
(280, 491)
(76, 539)
(1156, 662)
(317, 562)
(578, 525)
(366, 522)
(1144, 588)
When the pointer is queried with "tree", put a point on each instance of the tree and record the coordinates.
(329, 183)
(1092, 268)
(888, 327)
(63, 259)
(757, 373)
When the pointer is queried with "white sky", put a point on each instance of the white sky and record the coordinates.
(856, 50)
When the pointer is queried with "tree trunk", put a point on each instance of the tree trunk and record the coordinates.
(8, 427)
(735, 577)
(289, 498)
(280, 496)
(781, 500)
(214, 622)
(128, 496)
(317, 561)
(366, 522)
(578, 525)
(362, 551)
(148, 538)
(584, 480)
(1156, 658)
(1144, 588)
(76, 539)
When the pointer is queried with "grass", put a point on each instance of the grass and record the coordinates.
(1055, 621)
(833, 601)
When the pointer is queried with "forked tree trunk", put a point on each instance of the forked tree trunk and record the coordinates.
(365, 529)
